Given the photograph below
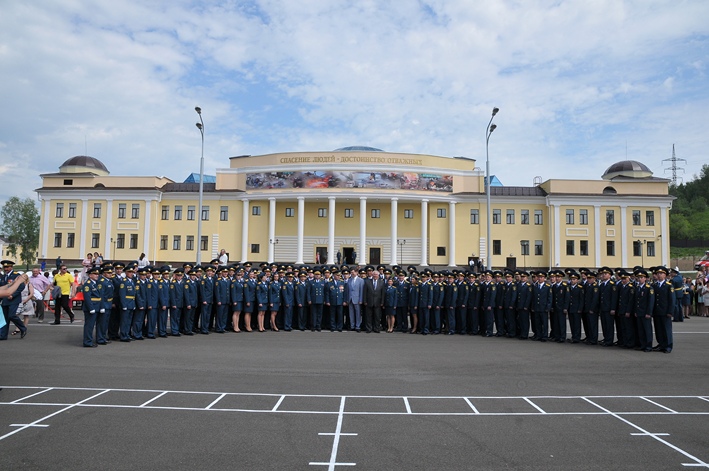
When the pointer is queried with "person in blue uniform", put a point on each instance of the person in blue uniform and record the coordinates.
(678, 292)
(236, 296)
(644, 305)
(141, 304)
(316, 300)
(262, 300)
(425, 302)
(108, 293)
(663, 312)
(288, 301)
(413, 300)
(472, 321)
(339, 294)
(206, 296)
(249, 299)
(222, 287)
(126, 293)
(461, 303)
(607, 303)
(163, 300)
(487, 304)
(590, 308)
(450, 296)
(523, 306)
(274, 299)
(390, 304)
(560, 306)
(177, 286)
(576, 298)
(509, 303)
(114, 320)
(11, 303)
(301, 300)
(151, 295)
(190, 299)
(402, 302)
(625, 312)
(541, 305)
(93, 308)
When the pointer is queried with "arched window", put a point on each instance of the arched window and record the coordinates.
(609, 190)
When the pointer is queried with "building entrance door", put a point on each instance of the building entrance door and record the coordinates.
(375, 255)
(511, 263)
(320, 255)
(347, 255)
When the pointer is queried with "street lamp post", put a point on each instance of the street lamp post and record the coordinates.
(200, 126)
(113, 255)
(488, 131)
(274, 242)
(401, 243)
(524, 253)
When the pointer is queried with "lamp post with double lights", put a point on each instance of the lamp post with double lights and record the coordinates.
(401, 243)
(488, 131)
(200, 126)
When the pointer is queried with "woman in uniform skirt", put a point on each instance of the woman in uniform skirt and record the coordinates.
(390, 295)
(261, 300)
(274, 299)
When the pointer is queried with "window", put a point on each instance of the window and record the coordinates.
(583, 217)
(651, 249)
(178, 212)
(524, 245)
(57, 239)
(68, 182)
(496, 247)
(441, 212)
(583, 247)
(165, 215)
(133, 241)
(474, 216)
(637, 248)
(538, 247)
(203, 243)
(121, 211)
(524, 218)
(290, 212)
(95, 240)
(224, 213)
(72, 210)
(408, 214)
(570, 247)
(375, 214)
(97, 210)
(649, 218)
(163, 242)
(59, 211)
(322, 212)
(610, 217)
(189, 242)
(510, 216)
(636, 217)
(610, 248)
(441, 251)
(135, 211)
(120, 241)
(205, 213)
(538, 217)
(256, 210)
(569, 216)
(176, 241)
(70, 240)
(349, 213)
(190, 213)
(255, 248)
(496, 216)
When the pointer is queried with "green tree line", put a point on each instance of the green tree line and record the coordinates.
(689, 218)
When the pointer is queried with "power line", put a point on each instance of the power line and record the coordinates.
(674, 168)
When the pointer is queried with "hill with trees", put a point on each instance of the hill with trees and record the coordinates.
(689, 218)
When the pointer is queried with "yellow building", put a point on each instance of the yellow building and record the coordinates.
(380, 207)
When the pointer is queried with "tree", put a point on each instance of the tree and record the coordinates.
(20, 224)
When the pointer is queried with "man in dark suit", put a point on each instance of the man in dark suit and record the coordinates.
(373, 302)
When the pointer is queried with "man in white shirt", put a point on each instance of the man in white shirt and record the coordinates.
(223, 258)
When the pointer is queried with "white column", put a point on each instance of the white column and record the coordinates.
(557, 237)
(301, 226)
(597, 234)
(109, 230)
(451, 234)
(271, 228)
(394, 229)
(84, 221)
(46, 234)
(362, 254)
(664, 237)
(424, 233)
(331, 230)
(146, 232)
(245, 232)
(623, 235)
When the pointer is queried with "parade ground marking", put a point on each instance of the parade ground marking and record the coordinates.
(623, 408)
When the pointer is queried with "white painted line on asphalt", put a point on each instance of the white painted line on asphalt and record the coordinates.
(342, 434)
(336, 442)
(215, 401)
(534, 405)
(655, 436)
(27, 425)
(408, 406)
(658, 405)
(278, 404)
(153, 399)
(471, 405)
(52, 415)
(650, 434)
(31, 395)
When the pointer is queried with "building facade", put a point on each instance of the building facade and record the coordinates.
(368, 205)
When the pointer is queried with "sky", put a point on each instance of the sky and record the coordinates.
(580, 84)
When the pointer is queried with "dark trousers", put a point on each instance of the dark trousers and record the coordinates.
(500, 321)
(205, 313)
(372, 316)
(125, 323)
(629, 330)
(93, 322)
(435, 320)
(461, 319)
(592, 326)
(138, 322)
(451, 320)
(424, 314)
(511, 321)
(336, 319)
(39, 309)
(489, 318)
(152, 321)
(222, 313)
(608, 327)
(10, 314)
(575, 324)
(644, 332)
(64, 301)
(560, 325)
(471, 320)
(175, 316)
(302, 318)
(619, 327)
(663, 331)
(316, 316)
(114, 323)
(523, 323)
(541, 319)
(162, 321)
(402, 318)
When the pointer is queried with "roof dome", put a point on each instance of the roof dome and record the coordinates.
(82, 164)
(627, 169)
(359, 148)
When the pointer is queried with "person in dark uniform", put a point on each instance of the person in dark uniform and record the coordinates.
(576, 299)
(524, 302)
(163, 300)
(425, 302)
(402, 302)
(93, 309)
(499, 300)
(678, 291)
(487, 304)
(608, 303)
(114, 320)
(288, 299)
(190, 300)
(249, 299)
(374, 289)
(236, 296)
(339, 293)
(461, 303)
(625, 312)
(509, 303)
(472, 322)
(141, 305)
(108, 293)
(413, 301)
(644, 306)
(450, 297)
(126, 293)
(177, 286)
(560, 306)
(541, 305)
(663, 312)
(206, 299)
(316, 300)
(390, 304)
(274, 299)
(590, 308)
(11, 303)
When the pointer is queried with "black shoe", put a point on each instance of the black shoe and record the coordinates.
(54, 323)
(176, 335)
(151, 337)
(71, 320)
(101, 343)
(163, 336)
(93, 345)
(125, 340)
(23, 333)
(190, 333)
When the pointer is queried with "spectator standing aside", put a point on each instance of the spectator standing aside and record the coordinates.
(87, 263)
(41, 286)
(26, 306)
(143, 261)
(65, 282)
(11, 302)
(223, 258)
(59, 262)
(339, 257)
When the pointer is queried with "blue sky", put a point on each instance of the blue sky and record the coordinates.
(580, 85)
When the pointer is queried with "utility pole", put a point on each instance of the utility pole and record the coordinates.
(674, 168)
